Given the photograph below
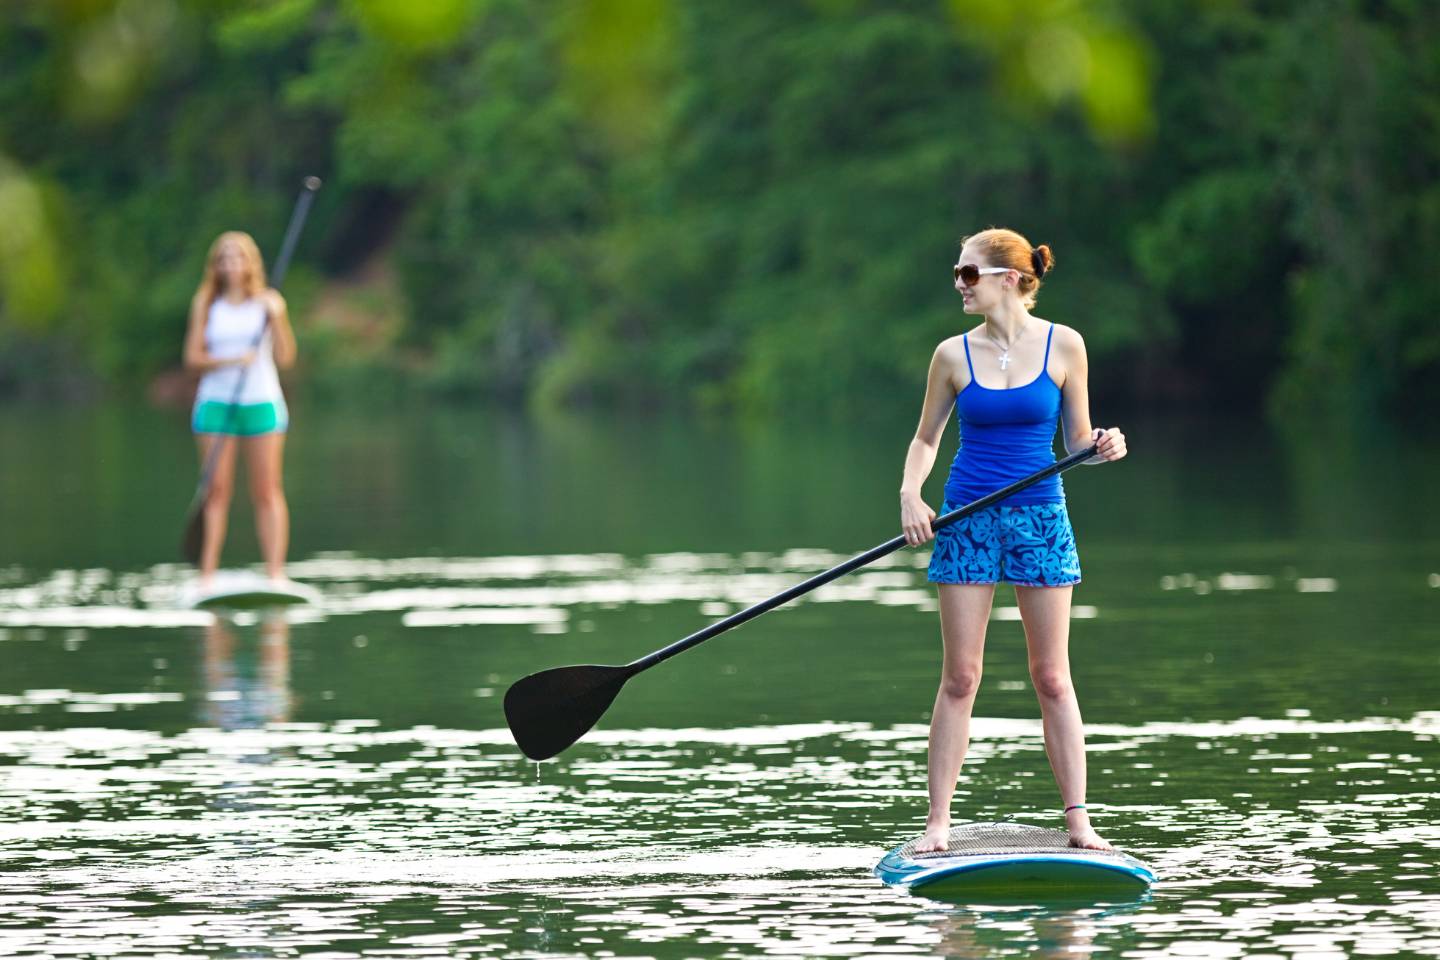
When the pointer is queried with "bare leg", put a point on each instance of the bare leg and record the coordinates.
(964, 614)
(264, 458)
(1046, 614)
(217, 501)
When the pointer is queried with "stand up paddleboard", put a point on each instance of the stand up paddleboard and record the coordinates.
(1013, 859)
(242, 590)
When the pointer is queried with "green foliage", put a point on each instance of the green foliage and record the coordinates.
(263, 27)
(749, 205)
(1055, 52)
(30, 262)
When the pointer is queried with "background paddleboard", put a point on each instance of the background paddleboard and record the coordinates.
(1013, 859)
(240, 590)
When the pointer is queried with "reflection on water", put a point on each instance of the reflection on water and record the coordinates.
(251, 782)
(540, 591)
(716, 841)
(1254, 661)
(994, 931)
(247, 685)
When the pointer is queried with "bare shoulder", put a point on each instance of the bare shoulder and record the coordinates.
(949, 363)
(950, 354)
(198, 307)
(1068, 342)
(272, 299)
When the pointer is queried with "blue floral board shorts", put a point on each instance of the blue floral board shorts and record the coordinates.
(1030, 545)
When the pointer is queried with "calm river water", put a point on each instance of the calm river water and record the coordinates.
(1255, 647)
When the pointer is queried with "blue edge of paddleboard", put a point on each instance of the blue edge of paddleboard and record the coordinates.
(1017, 872)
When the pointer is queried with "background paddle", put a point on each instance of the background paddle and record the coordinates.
(193, 540)
(550, 710)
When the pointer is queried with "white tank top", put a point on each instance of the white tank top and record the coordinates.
(230, 331)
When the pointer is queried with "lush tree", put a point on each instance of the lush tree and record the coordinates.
(749, 205)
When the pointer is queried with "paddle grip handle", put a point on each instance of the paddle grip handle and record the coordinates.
(292, 231)
(859, 560)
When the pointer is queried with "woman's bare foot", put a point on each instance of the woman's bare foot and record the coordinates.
(1083, 835)
(935, 839)
(1086, 838)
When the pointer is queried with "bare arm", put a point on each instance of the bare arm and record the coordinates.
(195, 356)
(280, 329)
(915, 514)
(1075, 402)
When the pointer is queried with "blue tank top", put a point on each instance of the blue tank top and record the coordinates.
(1006, 435)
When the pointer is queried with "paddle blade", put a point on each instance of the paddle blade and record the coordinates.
(193, 539)
(549, 710)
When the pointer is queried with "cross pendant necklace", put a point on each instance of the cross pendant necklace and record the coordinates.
(1005, 350)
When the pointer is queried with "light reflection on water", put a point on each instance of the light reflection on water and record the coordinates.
(680, 837)
(517, 590)
(269, 825)
(536, 590)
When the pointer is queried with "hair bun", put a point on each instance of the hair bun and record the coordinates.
(1042, 260)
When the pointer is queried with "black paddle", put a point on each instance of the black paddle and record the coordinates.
(550, 710)
(193, 540)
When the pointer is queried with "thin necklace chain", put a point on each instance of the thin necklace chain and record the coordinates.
(1005, 350)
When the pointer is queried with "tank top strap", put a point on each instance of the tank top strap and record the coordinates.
(965, 337)
(1048, 337)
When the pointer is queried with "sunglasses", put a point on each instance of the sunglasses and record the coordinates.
(970, 274)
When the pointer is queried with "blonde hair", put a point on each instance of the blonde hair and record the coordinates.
(1006, 248)
(211, 285)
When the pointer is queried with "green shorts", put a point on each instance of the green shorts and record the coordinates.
(241, 419)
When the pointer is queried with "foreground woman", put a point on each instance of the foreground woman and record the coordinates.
(1014, 379)
(239, 402)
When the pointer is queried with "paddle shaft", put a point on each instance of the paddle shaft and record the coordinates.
(277, 276)
(855, 562)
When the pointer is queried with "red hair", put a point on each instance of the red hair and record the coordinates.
(1006, 248)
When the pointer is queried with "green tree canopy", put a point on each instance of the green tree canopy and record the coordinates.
(749, 205)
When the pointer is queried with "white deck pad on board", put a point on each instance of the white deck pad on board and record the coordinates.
(243, 588)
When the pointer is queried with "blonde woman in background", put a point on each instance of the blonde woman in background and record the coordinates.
(238, 335)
